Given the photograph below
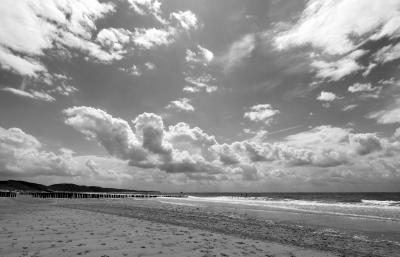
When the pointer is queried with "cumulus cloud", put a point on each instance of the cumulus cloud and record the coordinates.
(152, 37)
(20, 156)
(181, 149)
(358, 87)
(181, 105)
(187, 19)
(366, 89)
(327, 96)
(202, 55)
(200, 82)
(364, 144)
(150, 65)
(180, 154)
(260, 112)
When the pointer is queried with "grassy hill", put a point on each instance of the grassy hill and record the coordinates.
(27, 186)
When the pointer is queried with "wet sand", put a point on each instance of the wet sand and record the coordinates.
(65, 227)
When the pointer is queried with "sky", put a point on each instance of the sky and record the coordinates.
(194, 96)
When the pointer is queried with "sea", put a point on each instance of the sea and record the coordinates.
(367, 216)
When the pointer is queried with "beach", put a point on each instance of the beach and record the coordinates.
(148, 227)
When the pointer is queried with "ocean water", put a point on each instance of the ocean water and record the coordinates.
(373, 216)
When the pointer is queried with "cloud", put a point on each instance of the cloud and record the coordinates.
(337, 30)
(187, 20)
(337, 27)
(388, 53)
(191, 89)
(202, 55)
(336, 70)
(397, 133)
(327, 96)
(200, 82)
(30, 28)
(144, 7)
(367, 90)
(349, 107)
(391, 115)
(364, 144)
(150, 65)
(182, 149)
(150, 38)
(238, 52)
(321, 136)
(114, 134)
(260, 112)
(180, 154)
(134, 71)
(31, 94)
(20, 157)
(181, 105)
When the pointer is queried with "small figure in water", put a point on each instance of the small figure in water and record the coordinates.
(246, 195)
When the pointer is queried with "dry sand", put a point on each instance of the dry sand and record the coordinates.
(65, 227)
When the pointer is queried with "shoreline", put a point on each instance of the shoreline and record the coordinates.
(174, 230)
(286, 233)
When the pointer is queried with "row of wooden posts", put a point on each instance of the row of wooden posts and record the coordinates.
(82, 195)
(8, 194)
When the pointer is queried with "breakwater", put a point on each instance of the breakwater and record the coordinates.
(92, 195)
(7, 194)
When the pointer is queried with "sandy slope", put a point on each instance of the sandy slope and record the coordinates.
(31, 227)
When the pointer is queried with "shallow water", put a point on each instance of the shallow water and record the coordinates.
(369, 219)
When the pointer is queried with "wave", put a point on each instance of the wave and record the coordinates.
(249, 200)
(381, 203)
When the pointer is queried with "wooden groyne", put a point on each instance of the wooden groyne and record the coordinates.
(8, 194)
(74, 195)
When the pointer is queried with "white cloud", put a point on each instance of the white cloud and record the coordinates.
(388, 53)
(336, 30)
(358, 87)
(65, 90)
(149, 38)
(369, 68)
(337, 27)
(200, 82)
(367, 90)
(238, 52)
(150, 65)
(261, 112)
(397, 133)
(30, 28)
(145, 6)
(202, 55)
(349, 107)
(165, 153)
(20, 157)
(336, 70)
(187, 20)
(322, 136)
(31, 94)
(391, 115)
(181, 105)
(191, 89)
(327, 96)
